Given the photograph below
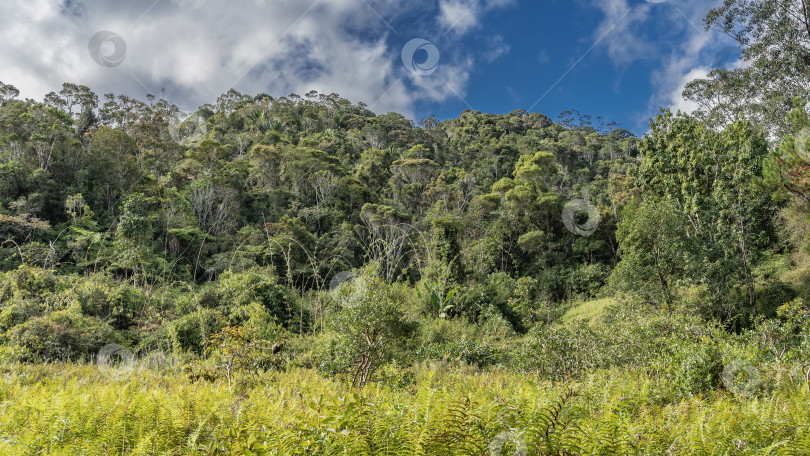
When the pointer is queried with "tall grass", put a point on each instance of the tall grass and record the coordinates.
(78, 410)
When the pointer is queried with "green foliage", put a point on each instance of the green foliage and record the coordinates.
(773, 37)
(253, 296)
(713, 179)
(654, 248)
(369, 329)
(54, 317)
(786, 337)
(237, 351)
(678, 349)
(593, 311)
(59, 336)
(438, 303)
(71, 409)
(472, 352)
(299, 184)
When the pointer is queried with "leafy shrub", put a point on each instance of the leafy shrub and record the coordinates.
(61, 336)
(17, 311)
(559, 352)
(28, 292)
(190, 331)
(457, 341)
(514, 300)
(27, 282)
(587, 279)
(771, 296)
(368, 330)
(683, 351)
(237, 294)
(119, 304)
(688, 367)
(476, 353)
(237, 351)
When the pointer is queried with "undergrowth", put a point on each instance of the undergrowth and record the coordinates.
(81, 410)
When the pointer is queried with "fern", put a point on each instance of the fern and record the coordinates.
(67, 410)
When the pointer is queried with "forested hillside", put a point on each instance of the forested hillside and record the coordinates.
(300, 275)
(301, 189)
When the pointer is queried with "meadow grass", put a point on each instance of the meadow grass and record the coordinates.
(79, 410)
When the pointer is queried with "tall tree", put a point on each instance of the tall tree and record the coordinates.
(775, 40)
(714, 179)
(653, 249)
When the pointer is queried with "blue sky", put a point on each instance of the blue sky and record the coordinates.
(560, 55)
(618, 59)
(540, 68)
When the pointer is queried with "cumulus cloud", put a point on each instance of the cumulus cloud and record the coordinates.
(686, 62)
(458, 15)
(620, 30)
(461, 16)
(195, 50)
(496, 46)
(671, 37)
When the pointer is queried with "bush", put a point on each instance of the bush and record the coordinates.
(237, 351)
(516, 301)
(681, 350)
(368, 330)
(30, 292)
(190, 331)
(456, 341)
(238, 294)
(688, 367)
(61, 336)
(116, 303)
(559, 352)
(472, 352)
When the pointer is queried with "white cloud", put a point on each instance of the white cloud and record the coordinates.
(462, 16)
(620, 33)
(675, 101)
(496, 47)
(458, 15)
(681, 66)
(196, 50)
(670, 35)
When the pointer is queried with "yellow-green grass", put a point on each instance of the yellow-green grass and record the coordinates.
(77, 410)
(591, 311)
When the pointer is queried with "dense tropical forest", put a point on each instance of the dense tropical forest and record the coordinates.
(299, 275)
